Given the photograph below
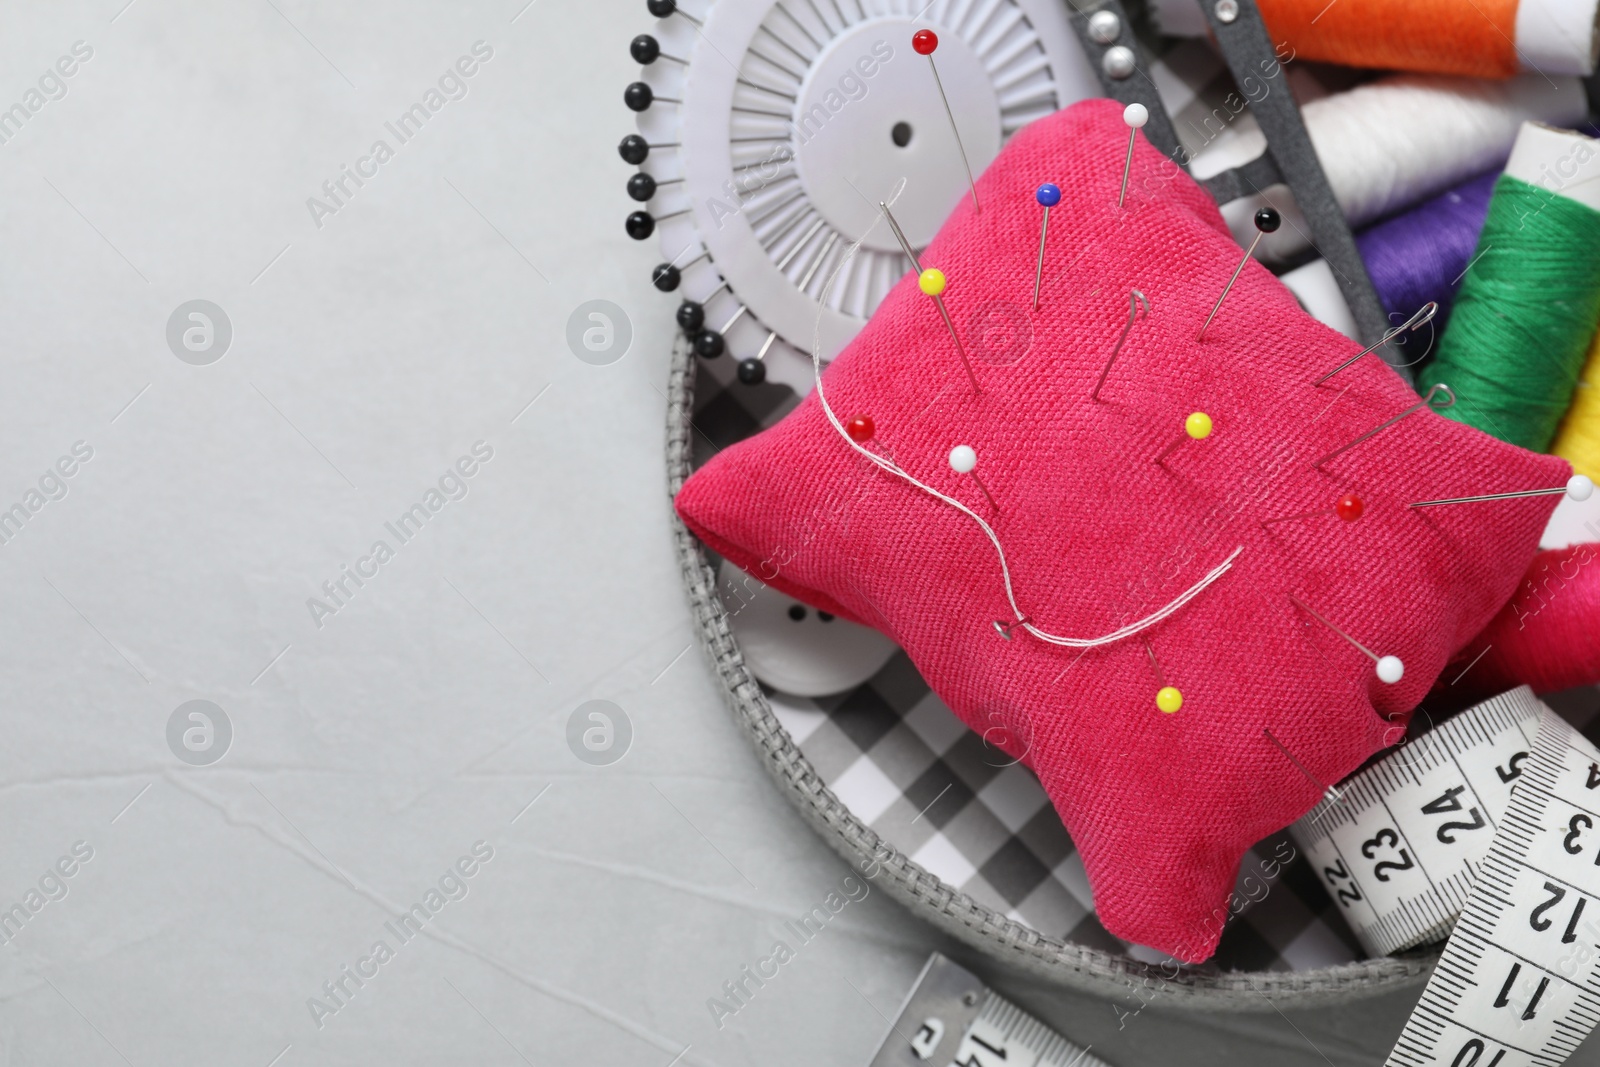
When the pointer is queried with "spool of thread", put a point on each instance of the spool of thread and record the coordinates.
(1422, 254)
(1392, 143)
(1526, 312)
(1415, 257)
(1578, 441)
(1480, 38)
(1314, 286)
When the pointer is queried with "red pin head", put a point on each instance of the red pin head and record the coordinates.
(923, 42)
(860, 428)
(1349, 507)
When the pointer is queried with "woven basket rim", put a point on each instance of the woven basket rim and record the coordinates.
(1072, 966)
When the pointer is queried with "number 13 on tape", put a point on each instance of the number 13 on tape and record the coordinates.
(1519, 982)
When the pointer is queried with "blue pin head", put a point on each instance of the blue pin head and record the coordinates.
(1048, 195)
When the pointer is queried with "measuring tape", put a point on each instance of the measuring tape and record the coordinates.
(951, 1019)
(1490, 826)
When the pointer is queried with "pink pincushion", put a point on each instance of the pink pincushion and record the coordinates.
(1162, 806)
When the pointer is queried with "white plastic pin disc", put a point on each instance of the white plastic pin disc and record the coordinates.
(782, 122)
(1390, 669)
(963, 459)
(1136, 115)
(1580, 487)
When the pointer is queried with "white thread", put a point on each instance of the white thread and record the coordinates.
(1005, 570)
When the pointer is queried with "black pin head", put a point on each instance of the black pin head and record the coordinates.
(752, 371)
(691, 317)
(666, 277)
(708, 344)
(1268, 220)
(661, 8)
(644, 49)
(641, 187)
(640, 225)
(633, 149)
(638, 96)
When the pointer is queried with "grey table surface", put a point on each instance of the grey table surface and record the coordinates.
(421, 716)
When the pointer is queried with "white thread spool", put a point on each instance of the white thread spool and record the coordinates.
(1392, 143)
(1318, 292)
(1558, 36)
(1560, 162)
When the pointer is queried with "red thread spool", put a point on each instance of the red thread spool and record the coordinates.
(861, 428)
(923, 42)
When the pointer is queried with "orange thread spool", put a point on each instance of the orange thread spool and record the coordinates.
(1473, 37)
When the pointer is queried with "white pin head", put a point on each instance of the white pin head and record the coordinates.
(1135, 115)
(1390, 669)
(963, 460)
(1580, 487)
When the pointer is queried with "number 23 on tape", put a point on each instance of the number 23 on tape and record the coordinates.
(1399, 847)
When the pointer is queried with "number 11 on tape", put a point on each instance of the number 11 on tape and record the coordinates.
(1519, 982)
(951, 1019)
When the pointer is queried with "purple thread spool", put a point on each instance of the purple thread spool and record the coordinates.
(1421, 255)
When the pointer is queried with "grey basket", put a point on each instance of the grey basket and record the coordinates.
(1073, 966)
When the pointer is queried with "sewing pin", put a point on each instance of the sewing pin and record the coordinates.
(753, 371)
(923, 42)
(1578, 487)
(1048, 196)
(931, 282)
(1135, 115)
(663, 8)
(1449, 401)
(1135, 298)
(1168, 697)
(1390, 669)
(645, 50)
(1197, 426)
(1424, 314)
(1005, 629)
(1267, 221)
(1349, 508)
(1332, 794)
(963, 460)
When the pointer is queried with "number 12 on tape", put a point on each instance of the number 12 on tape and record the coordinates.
(1519, 982)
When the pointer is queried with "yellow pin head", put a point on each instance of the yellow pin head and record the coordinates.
(1169, 700)
(931, 281)
(1197, 426)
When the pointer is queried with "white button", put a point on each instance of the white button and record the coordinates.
(790, 647)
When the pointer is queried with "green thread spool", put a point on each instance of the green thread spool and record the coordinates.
(1521, 325)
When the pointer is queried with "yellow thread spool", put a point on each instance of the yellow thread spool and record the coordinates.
(1578, 441)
